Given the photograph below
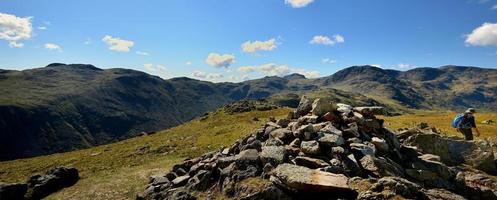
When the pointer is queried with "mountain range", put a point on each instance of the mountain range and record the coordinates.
(64, 107)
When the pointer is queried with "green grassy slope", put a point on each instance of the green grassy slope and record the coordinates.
(121, 170)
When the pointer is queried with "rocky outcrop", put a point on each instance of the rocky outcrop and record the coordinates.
(12, 190)
(330, 151)
(40, 186)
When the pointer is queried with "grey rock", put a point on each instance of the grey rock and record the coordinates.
(321, 107)
(330, 140)
(305, 106)
(303, 179)
(273, 154)
(365, 148)
(380, 144)
(310, 147)
(282, 134)
(312, 163)
(54, 180)
(381, 167)
(180, 181)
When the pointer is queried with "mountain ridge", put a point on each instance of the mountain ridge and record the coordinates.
(64, 107)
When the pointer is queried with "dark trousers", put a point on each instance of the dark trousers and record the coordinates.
(468, 134)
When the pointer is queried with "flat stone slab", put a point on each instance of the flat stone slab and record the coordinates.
(302, 179)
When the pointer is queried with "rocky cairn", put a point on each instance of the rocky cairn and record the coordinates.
(324, 150)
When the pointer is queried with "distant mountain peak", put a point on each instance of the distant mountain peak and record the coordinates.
(74, 66)
(295, 76)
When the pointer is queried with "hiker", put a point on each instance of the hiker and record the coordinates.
(467, 123)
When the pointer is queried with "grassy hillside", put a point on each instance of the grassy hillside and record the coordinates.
(120, 170)
(442, 121)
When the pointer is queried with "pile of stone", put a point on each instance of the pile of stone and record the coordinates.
(324, 150)
(40, 186)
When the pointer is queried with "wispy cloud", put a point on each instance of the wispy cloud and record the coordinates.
(325, 40)
(42, 28)
(188, 63)
(328, 61)
(204, 75)
(14, 29)
(118, 44)
(274, 69)
(142, 53)
(298, 3)
(405, 66)
(52, 46)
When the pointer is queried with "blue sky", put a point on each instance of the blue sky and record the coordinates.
(314, 37)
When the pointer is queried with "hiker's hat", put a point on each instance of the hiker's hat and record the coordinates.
(470, 110)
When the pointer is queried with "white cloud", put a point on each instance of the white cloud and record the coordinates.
(298, 3)
(325, 40)
(307, 73)
(485, 35)
(339, 38)
(203, 75)
(405, 66)
(251, 47)
(320, 39)
(14, 29)
(199, 74)
(214, 76)
(52, 46)
(376, 65)
(118, 44)
(275, 69)
(494, 7)
(142, 53)
(156, 69)
(15, 44)
(328, 61)
(247, 69)
(220, 61)
(42, 28)
(188, 63)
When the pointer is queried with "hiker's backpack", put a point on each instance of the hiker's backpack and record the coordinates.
(457, 120)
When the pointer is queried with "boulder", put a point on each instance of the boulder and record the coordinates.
(478, 154)
(12, 190)
(54, 180)
(310, 147)
(273, 154)
(305, 105)
(321, 107)
(302, 179)
(312, 163)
